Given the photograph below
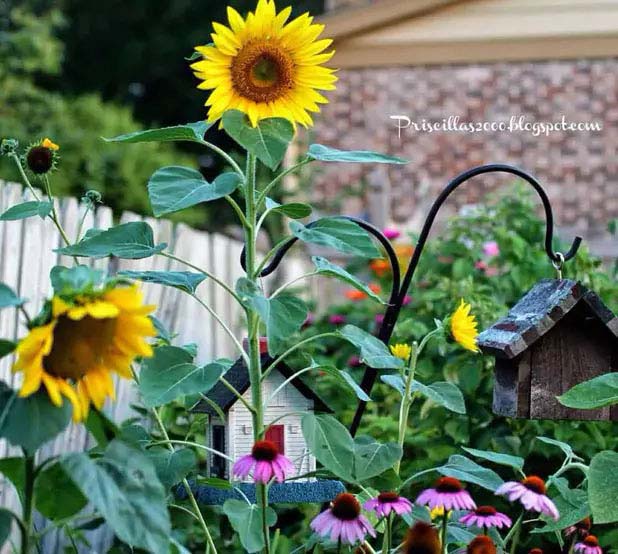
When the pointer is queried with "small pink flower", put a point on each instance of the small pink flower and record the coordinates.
(386, 502)
(582, 528)
(447, 493)
(309, 320)
(343, 521)
(492, 271)
(407, 299)
(354, 361)
(486, 517)
(590, 545)
(491, 249)
(336, 319)
(531, 493)
(481, 265)
(379, 318)
(265, 462)
(391, 233)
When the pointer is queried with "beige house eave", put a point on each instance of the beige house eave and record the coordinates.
(475, 31)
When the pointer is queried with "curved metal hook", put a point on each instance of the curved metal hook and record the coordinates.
(391, 316)
(388, 247)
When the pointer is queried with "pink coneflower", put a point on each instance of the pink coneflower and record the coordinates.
(386, 502)
(448, 493)
(343, 521)
(582, 528)
(336, 319)
(422, 538)
(486, 517)
(267, 461)
(354, 361)
(379, 318)
(391, 233)
(590, 545)
(309, 320)
(531, 493)
(481, 545)
(491, 248)
(482, 265)
(407, 299)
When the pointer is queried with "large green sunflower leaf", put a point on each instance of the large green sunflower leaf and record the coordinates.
(193, 132)
(373, 351)
(6, 521)
(338, 233)
(175, 188)
(171, 374)
(268, 140)
(466, 470)
(596, 393)
(328, 154)
(246, 519)
(131, 241)
(27, 209)
(32, 421)
(124, 487)
(8, 298)
(172, 466)
(57, 496)
(183, 280)
(603, 487)
(444, 394)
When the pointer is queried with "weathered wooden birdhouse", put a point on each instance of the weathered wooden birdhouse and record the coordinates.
(558, 335)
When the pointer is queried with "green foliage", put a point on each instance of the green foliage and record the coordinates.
(27, 209)
(246, 519)
(8, 298)
(182, 280)
(328, 154)
(172, 466)
(190, 132)
(56, 495)
(372, 350)
(603, 488)
(596, 393)
(325, 267)
(132, 241)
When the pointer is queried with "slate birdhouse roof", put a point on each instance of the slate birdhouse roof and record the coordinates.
(538, 312)
(238, 377)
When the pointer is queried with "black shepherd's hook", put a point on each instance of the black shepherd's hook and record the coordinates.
(399, 290)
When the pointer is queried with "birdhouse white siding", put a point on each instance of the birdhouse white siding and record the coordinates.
(286, 401)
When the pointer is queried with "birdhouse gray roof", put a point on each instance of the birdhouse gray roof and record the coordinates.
(538, 312)
(238, 377)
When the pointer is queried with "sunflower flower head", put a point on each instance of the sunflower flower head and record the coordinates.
(463, 327)
(41, 157)
(81, 339)
(266, 66)
(401, 351)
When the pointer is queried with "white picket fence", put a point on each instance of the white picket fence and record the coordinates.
(26, 258)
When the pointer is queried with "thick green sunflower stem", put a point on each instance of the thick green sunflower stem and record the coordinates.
(28, 506)
(253, 331)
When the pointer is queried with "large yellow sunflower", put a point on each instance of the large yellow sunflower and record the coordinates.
(265, 66)
(463, 327)
(86, 339)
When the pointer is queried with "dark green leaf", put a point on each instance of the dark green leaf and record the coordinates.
(344, 377)
(14, 470)
(7, 347)
(339, 233)
(459, 535)
(27, 209)
(183, 280)
(497, 458)
(283, 314)
(31, 422)
(603, 487)
(130, 240)
(103, 429)
(246, 519)
(171, 373)
(566, 448)
(57, 496)
(328, 154)
(442, 393)
(324, 267)
(193, 132)
(6, 520)
(79, 278)
(572, 510)
(175, 188)
(373, 351)
(172, 466)
(372, 458)
(466, 470)
(268, 140)
(124, 487)
(8, 298)
(294, 210)
(597, 393)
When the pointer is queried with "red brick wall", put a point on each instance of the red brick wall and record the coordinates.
(578, 168)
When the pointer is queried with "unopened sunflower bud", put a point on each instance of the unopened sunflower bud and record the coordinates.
(41, 157)
(8, 147)
(93, 197)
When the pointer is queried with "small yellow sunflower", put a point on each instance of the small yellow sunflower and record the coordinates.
(266, 66)
(48, 143)
(437, 512)
(86, 339)
(463, 327)
(401, 351)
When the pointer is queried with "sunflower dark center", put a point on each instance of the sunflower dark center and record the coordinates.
(264, 451)
(448, 484)
(486, 511)
(262, 72)
(535, 484)
(388, 497)
(346, 507)
(591, 540)
(79, 346)
(40, 159)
